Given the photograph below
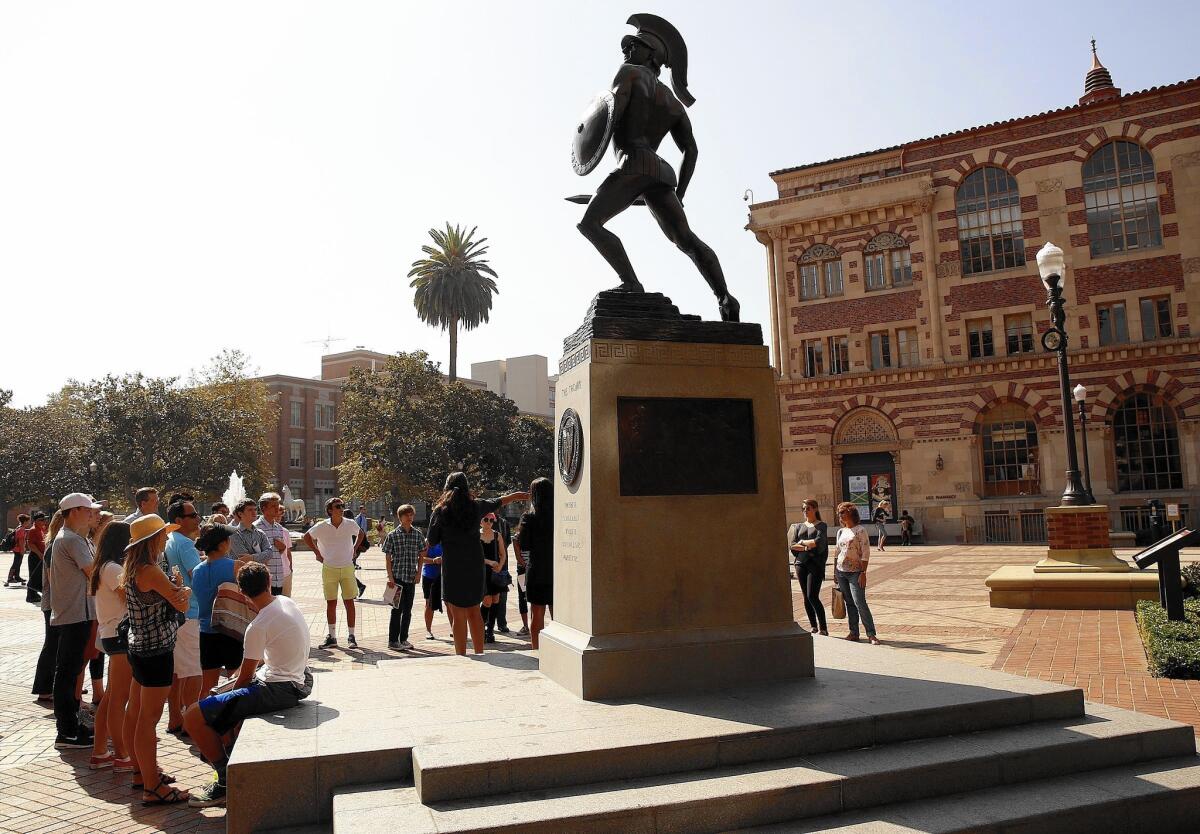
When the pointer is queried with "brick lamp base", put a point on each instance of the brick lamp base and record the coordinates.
(1079, 571)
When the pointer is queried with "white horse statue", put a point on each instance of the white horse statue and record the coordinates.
(293, 508)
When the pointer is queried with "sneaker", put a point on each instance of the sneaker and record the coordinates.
(429, 635)
(502, 629)
(124, 765)
(101, 762)
(405, 645)
(489, 637)
(351, 642)
(210, 796)
(329, 643)
(524, 630)
(82, 739)
(394, 644)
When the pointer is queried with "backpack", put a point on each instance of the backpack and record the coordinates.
(232, 611)
(10, 541)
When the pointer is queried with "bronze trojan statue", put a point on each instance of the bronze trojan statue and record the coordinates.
(635, 115)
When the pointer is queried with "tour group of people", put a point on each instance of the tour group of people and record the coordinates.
(177, 600)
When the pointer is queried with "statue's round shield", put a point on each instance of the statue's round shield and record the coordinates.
(570, 446)
(592, 134)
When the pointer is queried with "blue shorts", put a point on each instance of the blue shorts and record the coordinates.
(225, 711)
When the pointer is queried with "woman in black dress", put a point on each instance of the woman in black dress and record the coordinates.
(455, 526)
(536, 536)
(810, 550)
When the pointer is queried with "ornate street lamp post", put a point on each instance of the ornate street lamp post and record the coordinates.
(1052, 268)
(1080, 393)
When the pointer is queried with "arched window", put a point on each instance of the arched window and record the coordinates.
(1121, 199)
(1009, 452)
(820, 272)
(887, 262)
(989, 222)
(1146, 445)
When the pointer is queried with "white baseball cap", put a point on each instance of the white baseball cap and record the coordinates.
(78, 499)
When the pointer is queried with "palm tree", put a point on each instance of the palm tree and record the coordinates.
(452, 283)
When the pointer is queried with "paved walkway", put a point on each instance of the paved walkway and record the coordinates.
(929, 600)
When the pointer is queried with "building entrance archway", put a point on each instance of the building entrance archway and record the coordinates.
(866, 453)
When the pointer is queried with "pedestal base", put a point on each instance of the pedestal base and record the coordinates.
(1019, 586)
(623, 665)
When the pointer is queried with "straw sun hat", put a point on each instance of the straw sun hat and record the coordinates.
(147, 527)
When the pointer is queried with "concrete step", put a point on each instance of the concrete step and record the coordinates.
(833, 712)
(723, 798)
(1161, 796)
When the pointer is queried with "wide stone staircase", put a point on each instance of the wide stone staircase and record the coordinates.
(879, 740)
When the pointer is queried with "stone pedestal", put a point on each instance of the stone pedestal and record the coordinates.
(670, 566)
(1079, 571)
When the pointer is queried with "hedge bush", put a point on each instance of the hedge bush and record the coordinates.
(1191, 575)
(1173, 648)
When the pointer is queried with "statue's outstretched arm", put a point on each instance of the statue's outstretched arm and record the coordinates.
(681, 132)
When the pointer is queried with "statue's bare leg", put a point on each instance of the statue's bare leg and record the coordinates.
(668, 211)
(615, 194)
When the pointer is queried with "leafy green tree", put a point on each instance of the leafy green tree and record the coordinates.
(453, 287)
(404, 428)
(43, 455)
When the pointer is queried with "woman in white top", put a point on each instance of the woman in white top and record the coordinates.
(105, 585)
(850, 570)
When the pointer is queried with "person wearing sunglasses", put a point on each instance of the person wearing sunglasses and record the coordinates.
(182, 556)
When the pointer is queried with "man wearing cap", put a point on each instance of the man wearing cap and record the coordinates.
(334, 542)
(181, 555)
(71, 611)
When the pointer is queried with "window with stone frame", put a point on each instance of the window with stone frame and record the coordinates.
(296, 414)
(814, 357)
(1156, 318)
(1111, 324)
(323, 455)
(296, 454)
(324, 415)
(820, 272)
(1121, 199)
(990, 236)
(881, 350)
(887, 262)
(1018, 333)
(1009, 452)
(1146, 444)
(839, 354)
(908, 350)
(979, 339)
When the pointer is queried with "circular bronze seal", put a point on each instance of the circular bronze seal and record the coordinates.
(570, 446)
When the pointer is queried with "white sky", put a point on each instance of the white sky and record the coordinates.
(178, 178)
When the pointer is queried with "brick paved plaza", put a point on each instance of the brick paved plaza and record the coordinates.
(929, 600)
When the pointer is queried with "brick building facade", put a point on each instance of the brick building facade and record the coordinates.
(907, 312)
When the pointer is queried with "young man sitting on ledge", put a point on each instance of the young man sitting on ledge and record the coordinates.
(278, 638)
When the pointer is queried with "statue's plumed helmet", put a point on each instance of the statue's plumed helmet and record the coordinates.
(668, 47)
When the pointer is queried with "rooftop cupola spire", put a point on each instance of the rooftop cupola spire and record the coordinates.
(1098, 86)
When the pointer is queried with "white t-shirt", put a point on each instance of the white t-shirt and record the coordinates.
(336, 543)
(110, 610)
(278, 635)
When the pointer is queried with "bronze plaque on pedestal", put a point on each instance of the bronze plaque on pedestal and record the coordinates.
(686, 446)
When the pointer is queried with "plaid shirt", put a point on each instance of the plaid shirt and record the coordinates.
(404, 549)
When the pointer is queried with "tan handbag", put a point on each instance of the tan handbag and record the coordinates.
(839, 604)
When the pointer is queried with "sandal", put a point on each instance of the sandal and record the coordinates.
(163, 779)
(172, 796)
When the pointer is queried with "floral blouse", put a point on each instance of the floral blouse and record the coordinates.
(853, 549)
